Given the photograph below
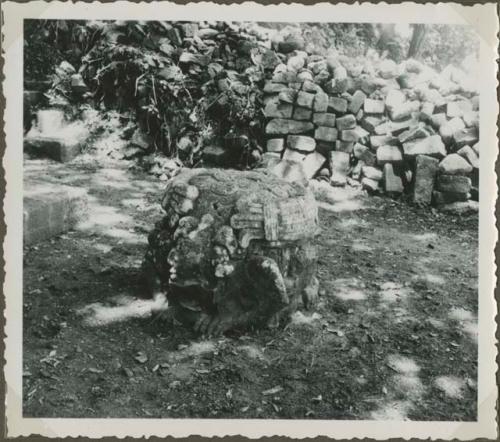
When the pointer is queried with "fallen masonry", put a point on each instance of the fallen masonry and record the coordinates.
(50, 209)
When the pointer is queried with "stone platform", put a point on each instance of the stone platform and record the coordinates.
(50, 209)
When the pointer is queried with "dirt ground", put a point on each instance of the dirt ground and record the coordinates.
(393, 337)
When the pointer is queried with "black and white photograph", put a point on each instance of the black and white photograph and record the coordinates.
(253, 220)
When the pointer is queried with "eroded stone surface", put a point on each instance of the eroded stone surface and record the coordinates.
(234, 249)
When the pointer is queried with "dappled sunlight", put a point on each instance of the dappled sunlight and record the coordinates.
(392, 411)
(393, 292)
(349, 289)
(424, 237)
(192, 350)
(350, 223)
(408, 385)
(467, 321)
(402, 364)
(252, 352)
(430, 278)
(299, 318)
(451, 386)
(360, 246)
(342, 206)
(124, 308)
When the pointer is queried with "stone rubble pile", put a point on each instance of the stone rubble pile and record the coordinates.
(395, 128)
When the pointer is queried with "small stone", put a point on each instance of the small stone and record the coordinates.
(301, 143)
(371, 172)
(357, 101)
(364, 154)
(404, 110)
(295, 63)
(305, 99)
(464, 137)
(430, 146)
(369, 123)
(369, 185)
(387, 69)
(305, 75)
(302, 114)
(437, 120)
(344, 146)
(353, 134)
(427, 110)
(458, 108)
(455, 164)
(388, 154)
(470, 155)
(449, 128)
(374, 106)
(346, 122)
(379, 140)
(471, 119)
(424, 177)
(275, 145)
(320, 102)
(324, 119)
(317, 66)
(393, 185)
(453, 183)
(394, 98)
(414, 133)
(324, 133)
(338, 105)
(288, 96)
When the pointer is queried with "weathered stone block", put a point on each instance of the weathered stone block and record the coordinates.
(279, 126)
(439, 198)
(458, 108)
(461, 207)
(468, 136)
(274, 88)
(305, 99)
(414, 133)
(455, 164)
(364, 154)
(448, 129)
(453, 183)
(471, 119)
(438, 120)
(324, 119)
(270, 159)
(369, 184)
(357, 101)
(470, 155)
(50, 209)
(325, 147)
(370, 122)
(393, 185)
(313, 162)
(346, 122)
(293, 155)
(431, 146)
(58, 149)
(388, 154)
(404, 110)
(394, 98)
(277, 109)
(320, 102)
(302, 114)
(374, 106)
(288, 96)
(337, 105)
(301, 143)
(344, 146)
(324, 133)
(371, 172)
(423, 179)
(275, 145)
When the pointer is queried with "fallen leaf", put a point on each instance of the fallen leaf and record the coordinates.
(273, 390)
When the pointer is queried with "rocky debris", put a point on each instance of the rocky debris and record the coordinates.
(424, 177)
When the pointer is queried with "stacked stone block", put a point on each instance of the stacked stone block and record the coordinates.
(394, 128)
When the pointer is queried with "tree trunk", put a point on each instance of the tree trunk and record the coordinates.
(417, 39)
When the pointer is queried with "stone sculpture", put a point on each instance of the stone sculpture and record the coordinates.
(234, 249)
